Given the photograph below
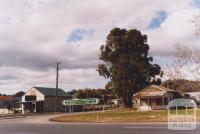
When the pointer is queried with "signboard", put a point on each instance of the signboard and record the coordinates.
(184, 120)
(91, 101)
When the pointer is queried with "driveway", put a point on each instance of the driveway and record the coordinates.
(36, 119)
(33, 119)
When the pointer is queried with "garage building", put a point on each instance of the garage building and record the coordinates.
(43, 99)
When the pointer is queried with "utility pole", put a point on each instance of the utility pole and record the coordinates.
(57, 75)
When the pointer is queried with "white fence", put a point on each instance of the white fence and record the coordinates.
(5, 111)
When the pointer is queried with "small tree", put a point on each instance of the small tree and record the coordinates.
(127, 64)
(19, 94)
(187, 58)
(196, 22)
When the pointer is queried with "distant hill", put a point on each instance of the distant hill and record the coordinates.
(182, 85)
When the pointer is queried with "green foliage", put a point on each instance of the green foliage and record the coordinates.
(89, 93)
(127, 64)
(110, 92)
(19, 94)
(182, 85)
(103, 94)
(72, 92)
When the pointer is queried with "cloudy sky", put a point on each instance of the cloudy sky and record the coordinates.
(36, 33)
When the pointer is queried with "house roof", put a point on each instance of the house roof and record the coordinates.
(152, 91)
(51, 91)
(6, 98)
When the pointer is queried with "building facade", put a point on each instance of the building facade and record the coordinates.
(42, 99)
(194, 95)
(5, 104)
(154, 97)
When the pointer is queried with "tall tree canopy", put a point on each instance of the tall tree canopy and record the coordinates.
(127, 64)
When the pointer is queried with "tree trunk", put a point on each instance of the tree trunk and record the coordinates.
(128, 100)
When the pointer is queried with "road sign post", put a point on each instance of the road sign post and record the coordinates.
(73, 102)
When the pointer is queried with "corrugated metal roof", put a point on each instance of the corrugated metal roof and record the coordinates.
(6, 98)
(51, 91)
(152, 91)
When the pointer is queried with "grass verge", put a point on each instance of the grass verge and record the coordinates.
(119, 116)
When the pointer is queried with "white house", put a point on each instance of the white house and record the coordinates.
(194, 95)
(154, 97)
(42, 99)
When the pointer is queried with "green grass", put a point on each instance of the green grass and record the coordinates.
(121, 115)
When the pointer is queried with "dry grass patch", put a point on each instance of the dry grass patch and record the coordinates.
(118, 115)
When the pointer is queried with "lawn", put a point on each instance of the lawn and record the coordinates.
(120, 115)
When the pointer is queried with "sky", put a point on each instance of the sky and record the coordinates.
(36, 33)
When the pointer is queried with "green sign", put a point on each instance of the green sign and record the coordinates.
(90, 101)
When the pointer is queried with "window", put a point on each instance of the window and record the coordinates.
(159, 101)
(165, 101)
(144, 101)
(30, 98)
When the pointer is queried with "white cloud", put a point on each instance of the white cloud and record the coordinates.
(33, 35)
(177, 28)
(69, 79)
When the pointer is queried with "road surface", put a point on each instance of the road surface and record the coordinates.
(40, 125)
(90, 129)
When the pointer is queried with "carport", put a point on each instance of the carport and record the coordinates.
(32, 106)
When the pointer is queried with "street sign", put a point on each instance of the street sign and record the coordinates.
(90, 101)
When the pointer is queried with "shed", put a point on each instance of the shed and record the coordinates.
(43, 99)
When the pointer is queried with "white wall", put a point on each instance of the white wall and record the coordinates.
(196, 95)
(145, 108)
(5, 111)
(34, 92)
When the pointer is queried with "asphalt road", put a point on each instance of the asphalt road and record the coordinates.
(90, 129)
(41, 125)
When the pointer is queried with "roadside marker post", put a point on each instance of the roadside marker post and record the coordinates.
(65, 113)
(93, 111)
(103, 103)
(97, 115)
(69, 110)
